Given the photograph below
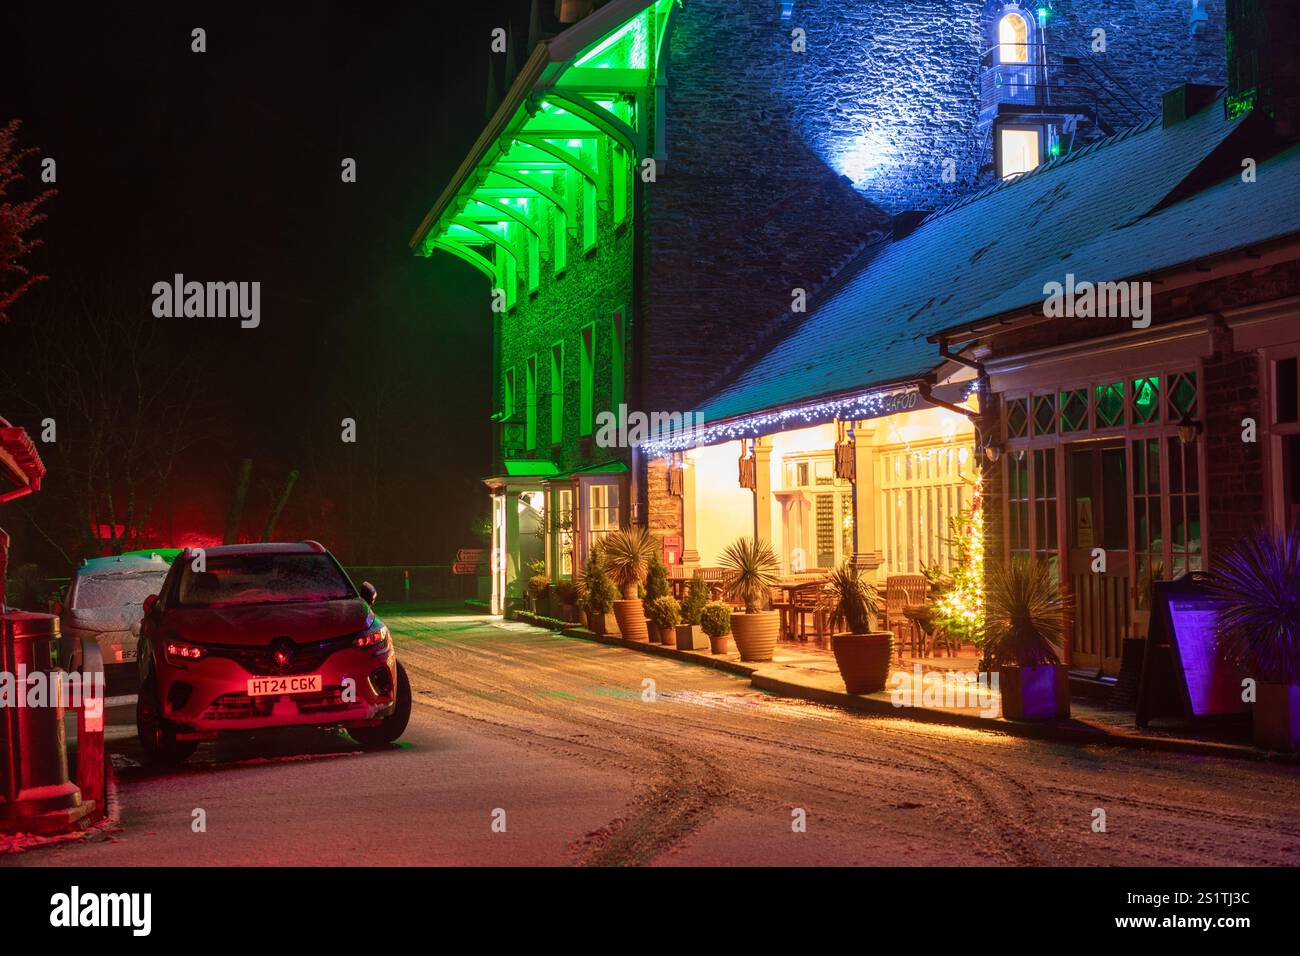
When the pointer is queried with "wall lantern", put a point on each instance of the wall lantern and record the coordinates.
(1189, 428)
(993, 452)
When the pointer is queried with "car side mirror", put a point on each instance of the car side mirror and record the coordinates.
(368, 592)
(150, 604)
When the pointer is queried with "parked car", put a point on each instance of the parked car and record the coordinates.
(105, 603)
(259, 636)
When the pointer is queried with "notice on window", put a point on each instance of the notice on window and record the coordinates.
(1083, 522)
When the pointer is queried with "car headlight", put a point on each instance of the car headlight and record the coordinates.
(180, 653)
(376, 637)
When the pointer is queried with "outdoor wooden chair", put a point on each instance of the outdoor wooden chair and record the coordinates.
(806, 601)
(903, 591)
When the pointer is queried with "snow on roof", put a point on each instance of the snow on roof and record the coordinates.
(872, 328)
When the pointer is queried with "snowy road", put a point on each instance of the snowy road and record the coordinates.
(555, 737)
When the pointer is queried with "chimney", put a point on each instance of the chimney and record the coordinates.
(1263, 46)
(1187, 100)
(571, 11)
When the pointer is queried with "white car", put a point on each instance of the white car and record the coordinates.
(105, 603)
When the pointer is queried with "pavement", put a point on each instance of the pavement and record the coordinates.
(810, 673)
(529, 747)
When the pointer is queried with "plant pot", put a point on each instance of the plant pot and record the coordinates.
(602, 623)
(631, 619)
(569, 612)
(666, 635)
(720, 644)
(1277, 716)
(690, 637)
(1035, 693)
(756, 634)
(863, 659)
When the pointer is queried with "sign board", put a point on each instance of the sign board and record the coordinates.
(471, 556)
(1183, 671)
(465, 567)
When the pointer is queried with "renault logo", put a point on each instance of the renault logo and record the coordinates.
(282, 651)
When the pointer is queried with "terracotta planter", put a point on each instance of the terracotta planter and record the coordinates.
(863, 660)
(665, 635)
(690, 637)
(756, 634)
(1277, 716)
(602, 624)
(1035, 693)
(720, 644)
(631, 619)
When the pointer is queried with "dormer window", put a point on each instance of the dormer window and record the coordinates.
(1013, 38)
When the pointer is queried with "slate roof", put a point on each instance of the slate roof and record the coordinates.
(971, 259)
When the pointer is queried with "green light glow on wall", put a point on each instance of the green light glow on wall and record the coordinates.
(551, 166)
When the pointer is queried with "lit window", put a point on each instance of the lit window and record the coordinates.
(1019, 149)
(530, 409)
(587, 382)
(557, 393)
(1013, 39)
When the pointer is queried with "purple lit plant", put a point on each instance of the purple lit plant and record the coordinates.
(1258, 580)
(1024, 615)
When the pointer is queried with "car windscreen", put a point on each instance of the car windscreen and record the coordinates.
(116, 590)
(262, 579)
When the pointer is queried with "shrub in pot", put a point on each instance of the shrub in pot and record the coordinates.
(1257, 579)
(863, 655)
(539, 585)
(1024, 622)
(715, 619)
(656, 579)
(664, 612)
(749, 568)
(690, 635)
(627, 554)
(566, 592)
(598, 596)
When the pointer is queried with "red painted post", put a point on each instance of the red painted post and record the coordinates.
(92, 768)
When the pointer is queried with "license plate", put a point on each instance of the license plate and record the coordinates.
(122, 653)
(301, 684)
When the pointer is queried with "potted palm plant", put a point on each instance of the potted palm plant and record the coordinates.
(1024, 622)
(690, 635)
(1257, 579)
(627, 554)
(749, 568)
(664, 612)
(715, 619)
(863, 655)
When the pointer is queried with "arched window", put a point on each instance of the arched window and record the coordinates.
(1013, 39)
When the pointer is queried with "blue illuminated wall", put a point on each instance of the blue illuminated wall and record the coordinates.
(783, 165)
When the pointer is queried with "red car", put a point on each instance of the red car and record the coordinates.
(245, 637)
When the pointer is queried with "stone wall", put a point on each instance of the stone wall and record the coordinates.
(782, 165)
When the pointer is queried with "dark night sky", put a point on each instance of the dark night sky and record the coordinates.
(225, 166)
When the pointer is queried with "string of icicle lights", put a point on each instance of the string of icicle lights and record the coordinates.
(850, 408)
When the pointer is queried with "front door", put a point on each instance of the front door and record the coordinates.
(1098, 564)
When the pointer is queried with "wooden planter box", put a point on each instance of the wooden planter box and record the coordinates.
(602, 624)
(1035, 693)
(691, 637)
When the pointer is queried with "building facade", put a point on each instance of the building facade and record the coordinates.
(665, 184)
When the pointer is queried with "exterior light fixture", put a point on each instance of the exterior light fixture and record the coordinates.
(1189, 428)
(993, 452)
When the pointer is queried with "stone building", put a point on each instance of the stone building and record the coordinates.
(665, 184)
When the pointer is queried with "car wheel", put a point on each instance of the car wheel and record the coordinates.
(160, 745)
(394, 725)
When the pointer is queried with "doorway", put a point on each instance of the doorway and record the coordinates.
(1098, 551)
